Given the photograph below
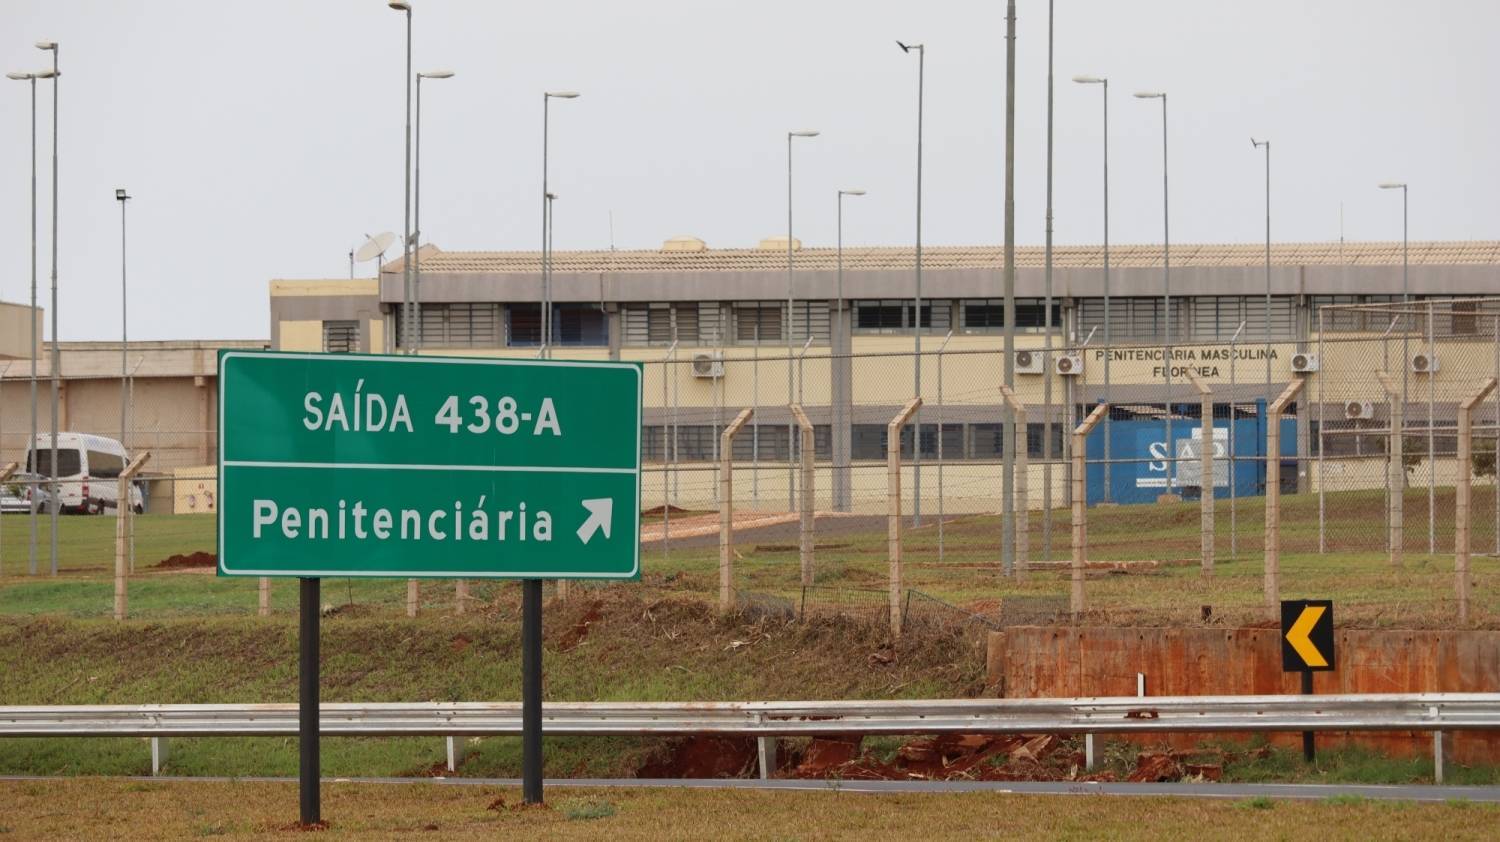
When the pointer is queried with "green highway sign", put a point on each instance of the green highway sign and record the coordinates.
(408, 466)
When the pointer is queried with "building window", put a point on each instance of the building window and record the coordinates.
(896, 315)
(757, 321)
(989, 313)
(453, 325)
(579, 324)
(1135, 319)
(1218, 317)
(523, 325)
(341, 337)
(690, 323)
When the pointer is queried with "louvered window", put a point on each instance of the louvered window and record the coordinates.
(456, 325)
(341, 337)
(757, 321)
(1218, 317)
(692, 323)
(1136, 319)
(896, 315)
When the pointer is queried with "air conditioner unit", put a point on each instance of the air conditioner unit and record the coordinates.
(1424, 363)
(1359, 410)
(1029, 362)
(708, 365)
(1304, 363)
(1069, 365)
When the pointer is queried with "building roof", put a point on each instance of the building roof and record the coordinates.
(1479, 252)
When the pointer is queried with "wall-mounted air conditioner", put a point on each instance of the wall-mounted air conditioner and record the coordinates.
(708, 365)
(1304, 363)
(1069, 365)
(1029, 362)
(1424, 363)
(1359, 410)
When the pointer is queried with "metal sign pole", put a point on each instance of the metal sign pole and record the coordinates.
(531, 691)
(1309, 750)
(309, 767)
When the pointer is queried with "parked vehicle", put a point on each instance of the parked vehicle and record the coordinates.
(16, 494)
(88, 471)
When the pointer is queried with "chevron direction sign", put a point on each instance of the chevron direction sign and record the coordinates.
(414, 466)
(1307, 635)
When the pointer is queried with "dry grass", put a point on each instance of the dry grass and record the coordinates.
(132, 810)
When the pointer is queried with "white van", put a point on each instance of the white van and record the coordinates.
(88, 471)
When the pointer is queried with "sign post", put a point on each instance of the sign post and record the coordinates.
(427, 467)
(1307, 647)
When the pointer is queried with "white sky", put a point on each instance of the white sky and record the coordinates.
(263, 139)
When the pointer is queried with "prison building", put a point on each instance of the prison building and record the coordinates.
(719, 330)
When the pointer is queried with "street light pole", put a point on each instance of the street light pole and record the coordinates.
(916, 449)
(31, 315)
(416, 258)
(1166, 263)
(1267, 144)
(407, 294)
(546, 337)
(122, 197)
(1103, 82)
(51, 46)
(1007, 416)
(791, 460)
(841, 430)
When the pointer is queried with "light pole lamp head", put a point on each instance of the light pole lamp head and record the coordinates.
(1259, 143)
(120, 194)
(906, 48)
(20, 77)
(46, 45)
(551, 197)
(1150, 95)
(436, 74)
(1090, 80)
(400, 5)
(1393, 185)
(561, 94)
(804, 133)
(855, 191)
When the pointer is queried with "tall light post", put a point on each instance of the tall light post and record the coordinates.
(31, 316)
(1267, 144)
(123, 197)
(1166, 295)
(1047, 320)
(547, 260)
(416, 258)
(547, 98)
(841, 429)
(51, 46)
(408, 295)
(1007, 416)
(1405, 286)
(791, 433)
(916, 450)
(1103, 82)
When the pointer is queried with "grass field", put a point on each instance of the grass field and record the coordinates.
(851, 567)
(134, 810)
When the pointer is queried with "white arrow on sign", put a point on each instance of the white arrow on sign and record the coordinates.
(599, 517)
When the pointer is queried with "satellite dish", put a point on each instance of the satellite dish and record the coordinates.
(375, 246)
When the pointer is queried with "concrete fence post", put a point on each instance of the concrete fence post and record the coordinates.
(123, 512)
(1273, 497)
(1395, 502)
(1206, 481)
(726, 509)
(1078, 483)
(1022, 504)
(6, 471)
(1463, 495)
(264, 608)
(893, 526)
(809, 492)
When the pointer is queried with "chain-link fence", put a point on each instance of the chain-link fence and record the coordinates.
(1367, 456)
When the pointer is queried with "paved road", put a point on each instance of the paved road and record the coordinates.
(1398, 792)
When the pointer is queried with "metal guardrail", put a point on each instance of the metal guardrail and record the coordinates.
(1435, 712)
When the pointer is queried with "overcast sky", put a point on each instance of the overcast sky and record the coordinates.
(263, 139)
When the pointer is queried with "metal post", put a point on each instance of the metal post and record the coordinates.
(1322, 477)
(1007, 420)
(1023, 500)
(56, 354)
(1431, 437)
(1395, 471)
(407, 294)
(546, 308)
(1047, 328)
(1234, 526)
(916, 436)
(1206, 474)
(1267, 145)
(123, 198)
(531, 691)
(309, 767)
(31, 320)
(1309, 751)
(416, 246)
(940, 512)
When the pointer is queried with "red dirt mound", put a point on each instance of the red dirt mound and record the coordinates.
(179, 562)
